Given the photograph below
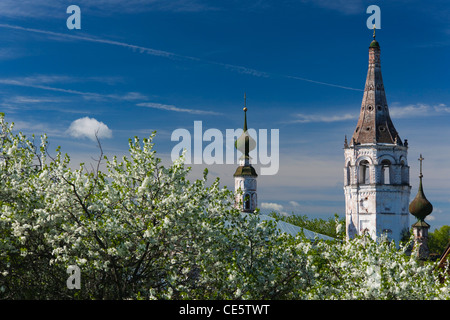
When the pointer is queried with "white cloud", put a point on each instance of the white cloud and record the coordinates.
(176, 109)
(441, 108)
(132, 96)
(88, 128)
(22, 83)
(396, 111)
(417, 110)
(294, 203)
(324, 83)
(37, 128)
(11, 53)
(65, 36)
(166, 54)
(305, 118)
(408, 111)
(58, 78)
(137, 6)
(271, 206)
(57, 8)
(33, 100)
(36, 82)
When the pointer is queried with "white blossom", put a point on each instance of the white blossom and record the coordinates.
(143, 231)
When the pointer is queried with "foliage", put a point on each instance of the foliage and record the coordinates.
(330, 227)
(439, 239)
(140, 230)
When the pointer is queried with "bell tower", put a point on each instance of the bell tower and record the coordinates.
(245, 175)
(376, 171)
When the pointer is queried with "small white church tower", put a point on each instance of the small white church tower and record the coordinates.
(376, 172)
(245, 175)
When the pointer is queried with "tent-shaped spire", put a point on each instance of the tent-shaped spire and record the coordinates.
(245, 143)
(374, 123)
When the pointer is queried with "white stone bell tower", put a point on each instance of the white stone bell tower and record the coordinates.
(376, 171)
(245, 175)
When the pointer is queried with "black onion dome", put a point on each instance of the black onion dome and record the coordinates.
(420, 207)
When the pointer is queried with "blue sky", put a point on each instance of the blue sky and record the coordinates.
(142, 65)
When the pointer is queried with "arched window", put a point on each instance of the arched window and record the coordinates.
(364, 174)
(246, 201)
(347, 172)
(385, 172)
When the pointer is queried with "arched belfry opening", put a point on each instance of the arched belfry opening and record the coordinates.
(364, 172)
(247, 202)
(386, 172)
(348, 174)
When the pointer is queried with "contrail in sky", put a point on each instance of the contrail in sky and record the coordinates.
(171, 55)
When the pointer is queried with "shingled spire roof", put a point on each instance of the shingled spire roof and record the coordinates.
(375, 124)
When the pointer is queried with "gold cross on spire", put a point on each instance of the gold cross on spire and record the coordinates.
(374, 28)
(421, 159)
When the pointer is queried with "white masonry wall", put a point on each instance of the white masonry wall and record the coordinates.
(378, 204)
(247, 185)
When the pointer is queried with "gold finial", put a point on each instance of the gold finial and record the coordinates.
(245, 102)
(374, 28)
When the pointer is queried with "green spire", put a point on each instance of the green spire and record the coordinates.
(245, 143)
(245, 112)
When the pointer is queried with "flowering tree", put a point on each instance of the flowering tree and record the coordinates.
(365, 269)
(136, 230)
(139, 230)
